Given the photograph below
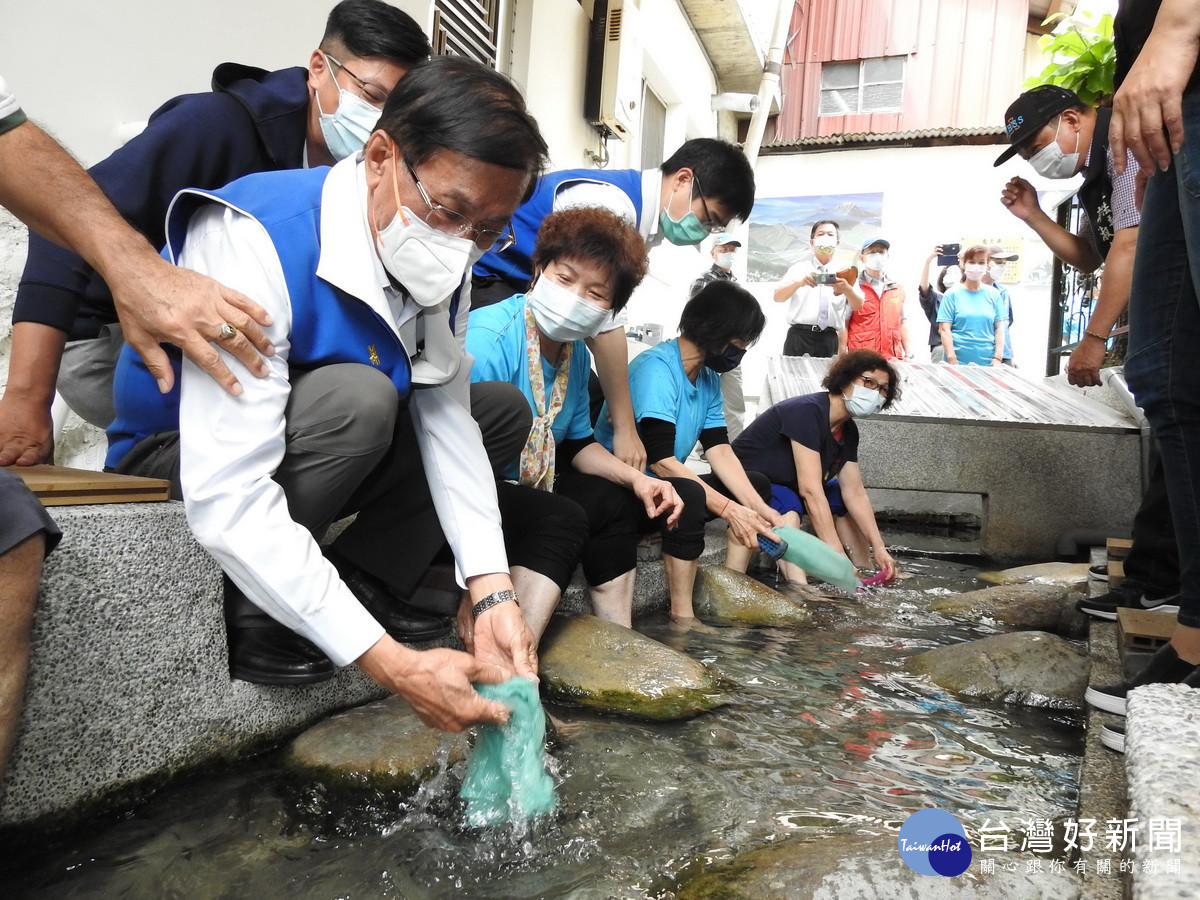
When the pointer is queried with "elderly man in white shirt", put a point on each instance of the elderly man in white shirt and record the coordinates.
(366, 409)
(818, 301)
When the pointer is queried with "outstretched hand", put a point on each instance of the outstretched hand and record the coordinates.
(1021, 198)
(160, 303)
(437, 683)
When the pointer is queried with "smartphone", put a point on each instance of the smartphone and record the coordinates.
(949, 254)
(824, 278)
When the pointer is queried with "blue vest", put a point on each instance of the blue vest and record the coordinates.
(514, 264)
(329, 326)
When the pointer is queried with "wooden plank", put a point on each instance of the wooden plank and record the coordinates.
(1118, 548)
(61, 486)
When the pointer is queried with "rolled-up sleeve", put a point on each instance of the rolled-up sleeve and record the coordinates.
(11, 114)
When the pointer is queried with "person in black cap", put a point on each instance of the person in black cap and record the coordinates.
(1061, 136)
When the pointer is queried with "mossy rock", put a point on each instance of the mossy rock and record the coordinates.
(726, 597)
(1042, 607)
(590, 662)
(1071, 575)
(1029, 668)
(382, 746)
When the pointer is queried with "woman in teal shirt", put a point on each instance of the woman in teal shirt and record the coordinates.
(972, 315)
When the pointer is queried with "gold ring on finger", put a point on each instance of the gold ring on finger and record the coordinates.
(226, 332)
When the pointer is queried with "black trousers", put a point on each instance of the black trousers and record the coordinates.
(809, 340)
(1153, 561)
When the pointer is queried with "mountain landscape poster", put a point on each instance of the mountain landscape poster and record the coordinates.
(780, 227)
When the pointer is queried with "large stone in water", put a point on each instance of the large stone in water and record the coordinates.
(382, 745)
(731, 598)
(855, 867)
(588, 661)
(1044, 607)
(1071, 575)
(1030, 668)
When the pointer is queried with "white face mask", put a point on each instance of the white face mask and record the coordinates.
(1051, 162)
(996, 270)
(824, 243)
(974, 271)
(725, 260)
(875, 261)
(347, 128)
(429, 263)
(863, 401)
(561, 314)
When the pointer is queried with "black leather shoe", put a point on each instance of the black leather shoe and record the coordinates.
(273, 654)
(403, 621)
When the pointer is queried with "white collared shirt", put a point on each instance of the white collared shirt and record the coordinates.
(232, 446)
(804, 306)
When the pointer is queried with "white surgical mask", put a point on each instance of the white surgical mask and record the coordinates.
(1051, 162)
(875, 261)
(996, 270)
(863, 401)
(823, 243)
(347, 128)
(429, 263)
(561, 314)
(725, 260)
(974, 271)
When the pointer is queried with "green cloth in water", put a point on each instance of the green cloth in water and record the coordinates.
(506, 781)
(813, 555)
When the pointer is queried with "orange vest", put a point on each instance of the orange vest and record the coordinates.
(877, 325)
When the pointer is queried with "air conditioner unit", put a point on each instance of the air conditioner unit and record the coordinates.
(613, 90)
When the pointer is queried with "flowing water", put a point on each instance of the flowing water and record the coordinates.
(828, 734)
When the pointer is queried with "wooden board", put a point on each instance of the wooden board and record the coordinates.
(1143, 629)
(59, 486)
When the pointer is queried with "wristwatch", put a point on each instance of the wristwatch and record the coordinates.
(493, 599)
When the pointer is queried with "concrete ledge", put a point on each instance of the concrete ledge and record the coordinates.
(129, 682)
(1162, 760)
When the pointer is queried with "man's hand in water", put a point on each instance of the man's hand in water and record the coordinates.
(437, 683)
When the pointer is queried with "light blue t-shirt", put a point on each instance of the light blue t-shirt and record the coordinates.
(660, 389)
(973, 316)
(496, 338)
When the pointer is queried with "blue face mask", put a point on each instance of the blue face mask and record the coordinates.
(688, 231)
(347, 128)
(729, 359)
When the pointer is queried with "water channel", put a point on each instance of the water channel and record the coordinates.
(828, 734)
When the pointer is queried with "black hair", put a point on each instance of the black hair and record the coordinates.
(595, 235)
(721, 312)
(722, 170)
(454, 103)
(817, 224)
(372, 28)
(843, 370)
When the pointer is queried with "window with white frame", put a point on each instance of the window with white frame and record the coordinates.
(862, 86)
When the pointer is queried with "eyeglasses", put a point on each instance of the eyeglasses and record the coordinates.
(372, 93)
(881, 388)
(446, 220)
(710, 225)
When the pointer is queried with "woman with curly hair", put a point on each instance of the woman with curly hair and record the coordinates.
(587, 261)
(808, 447)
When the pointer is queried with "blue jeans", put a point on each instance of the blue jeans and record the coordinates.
(1163, 365)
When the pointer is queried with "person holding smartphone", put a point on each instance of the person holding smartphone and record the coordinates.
(818, 300)
(930, 296)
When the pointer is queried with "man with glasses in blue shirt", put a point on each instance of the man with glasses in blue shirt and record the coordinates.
(251, 121)
(364, 269)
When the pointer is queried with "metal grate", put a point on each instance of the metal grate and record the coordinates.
(466, 28)
(943, 393)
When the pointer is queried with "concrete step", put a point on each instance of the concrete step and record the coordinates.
(129, 683)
